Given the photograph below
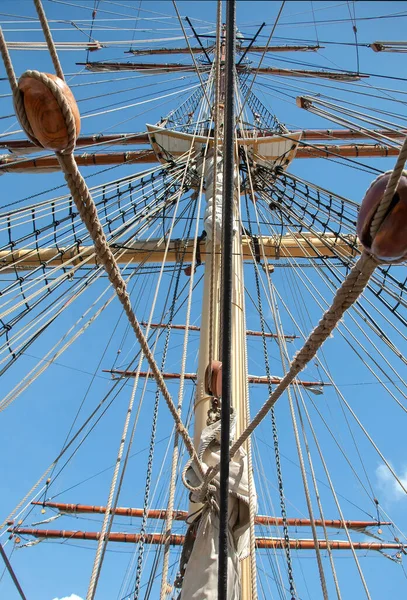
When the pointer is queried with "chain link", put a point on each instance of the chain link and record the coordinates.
(154, 428)
(273, 424)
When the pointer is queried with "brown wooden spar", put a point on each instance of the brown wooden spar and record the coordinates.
(181, 515)
(153, 251)
(116, 139)
(193, 376)
(178, 67)
(353, 150)
(348, 134)
(141, 138)
(50, 163)
(198, 50)
(178, 540)
(196, 328)
(10, 164)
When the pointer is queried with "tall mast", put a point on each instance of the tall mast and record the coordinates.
(209, 348)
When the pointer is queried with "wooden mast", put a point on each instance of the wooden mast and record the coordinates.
(212, 280)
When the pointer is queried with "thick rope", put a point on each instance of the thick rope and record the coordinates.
(346, 295)
(88, 212)
(17, 95)
(48, 37)
(389, 191)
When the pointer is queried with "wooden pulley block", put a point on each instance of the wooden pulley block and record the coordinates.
(213, 374)
(390, 242)
(44, 114)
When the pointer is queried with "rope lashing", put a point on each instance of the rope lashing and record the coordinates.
(31, 122)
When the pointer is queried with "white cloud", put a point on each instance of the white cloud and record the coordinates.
(71, 597)
(389, 486)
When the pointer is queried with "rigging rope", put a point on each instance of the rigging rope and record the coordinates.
(291, 582)
(226, 299)
(346, 295)
(108, 520)
(175, 456)
(88, 212)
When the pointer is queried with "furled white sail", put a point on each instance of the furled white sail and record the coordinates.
(201, 573)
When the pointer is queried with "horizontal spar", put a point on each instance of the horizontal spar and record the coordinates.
(117, 139)
(192, 376)
(181, 515)
(153, 251)
(350, 150)
(100, 66)
(45, 164)
(8, 163)
(198, 50)
(196, 328)
(141, 138)
(178, 540)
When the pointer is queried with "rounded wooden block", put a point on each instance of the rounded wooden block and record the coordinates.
(213, 375)
(44, 114)
(216, 379)
(390, 242)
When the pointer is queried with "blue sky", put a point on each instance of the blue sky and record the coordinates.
(34, 427)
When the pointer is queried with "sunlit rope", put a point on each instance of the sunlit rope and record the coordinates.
(86, 207)
(368, 352)
(174, 464)
(277, 325)
(386, 462)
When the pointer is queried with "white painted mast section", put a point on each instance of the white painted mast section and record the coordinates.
(213, 175)
(212, 223)
(201, 572)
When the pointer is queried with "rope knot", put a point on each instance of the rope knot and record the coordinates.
(382, 221)
(47, 111)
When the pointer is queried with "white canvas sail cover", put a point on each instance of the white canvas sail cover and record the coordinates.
(213, 195)
(201, 573)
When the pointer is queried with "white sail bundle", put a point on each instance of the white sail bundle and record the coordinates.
(213, 195)
(201, 573)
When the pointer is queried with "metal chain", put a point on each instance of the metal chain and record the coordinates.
(273, 424)
(154, 428)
